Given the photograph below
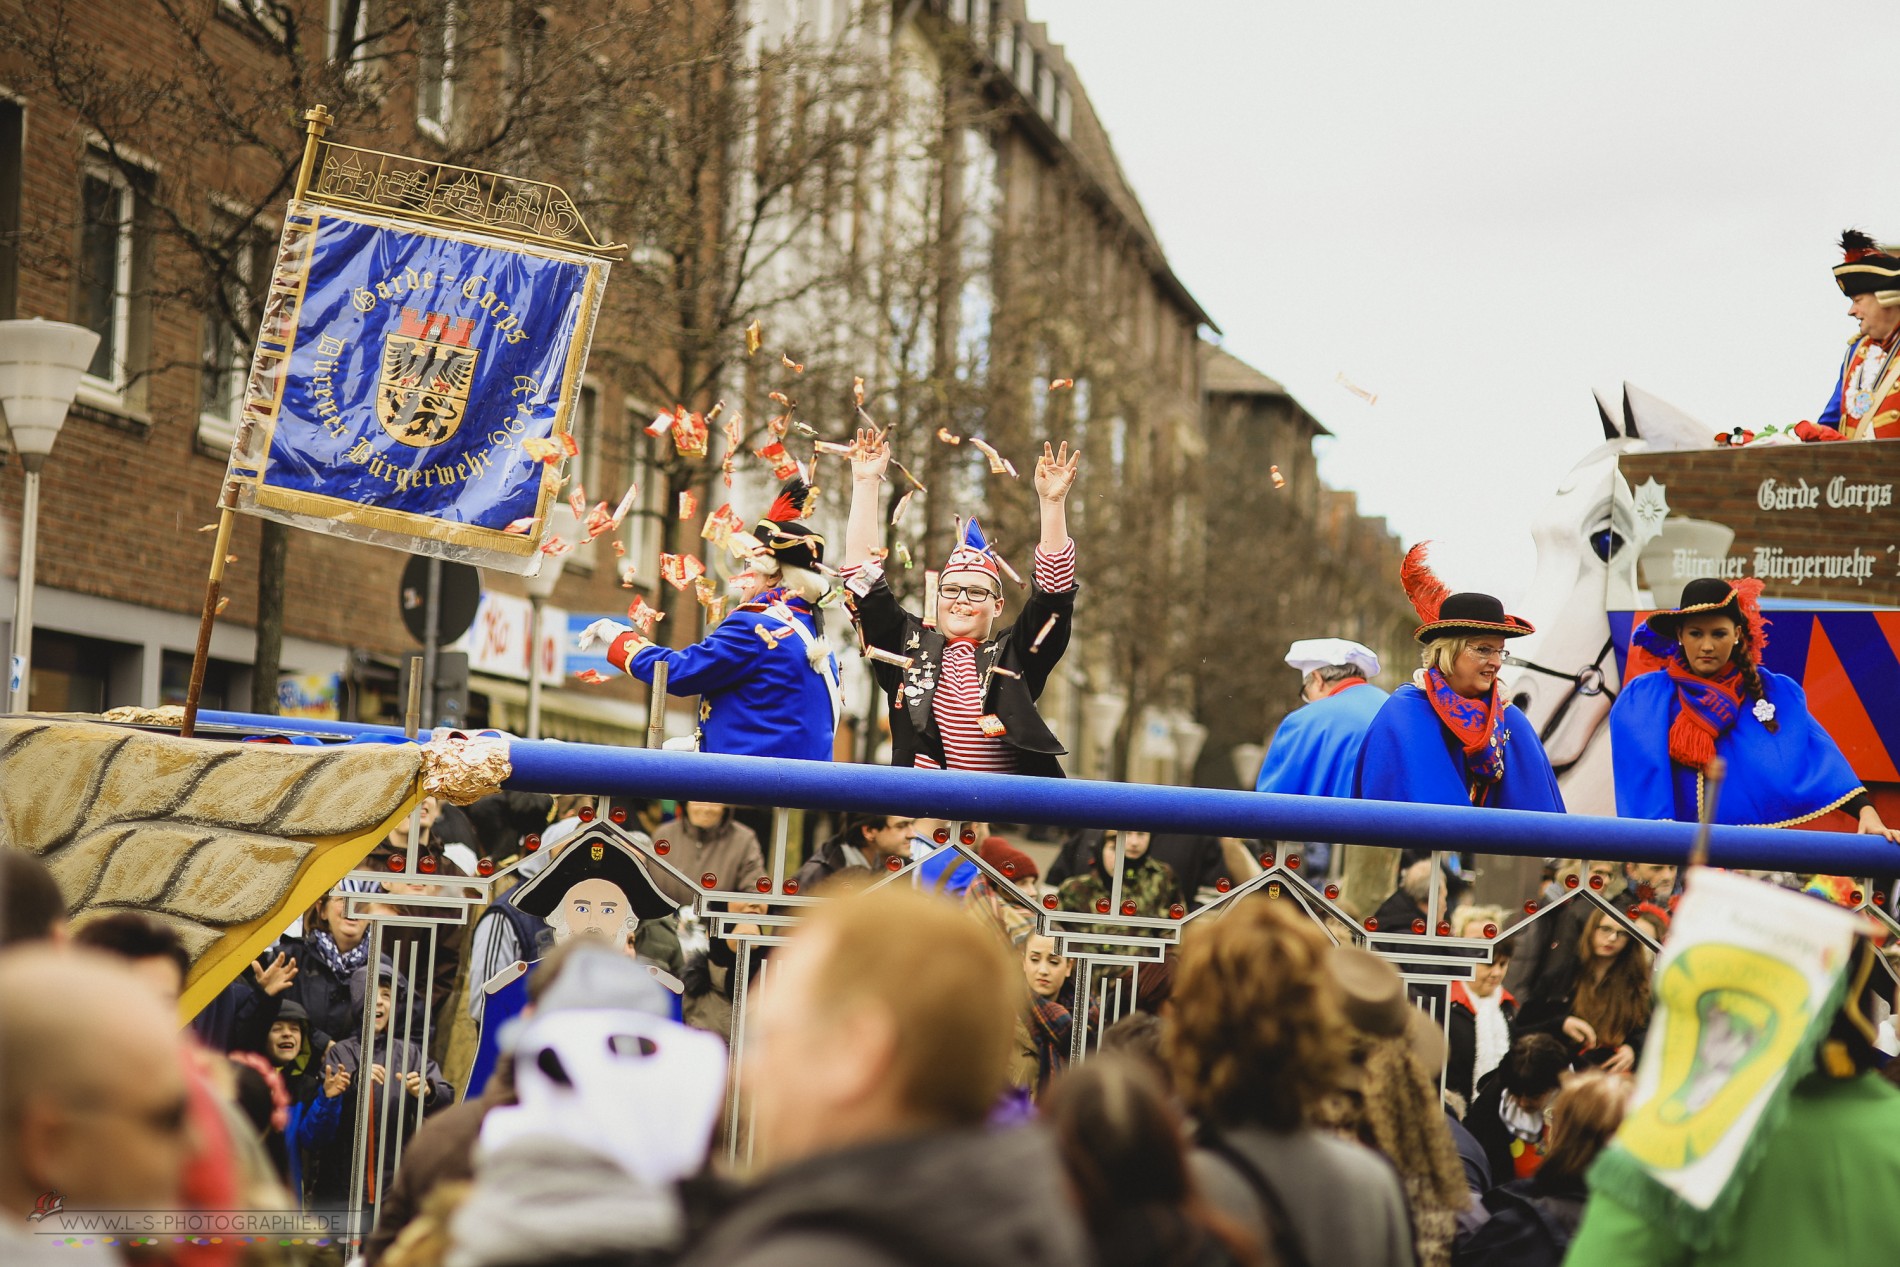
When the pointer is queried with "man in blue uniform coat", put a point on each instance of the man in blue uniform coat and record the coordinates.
(1316, 749)
(768, 681)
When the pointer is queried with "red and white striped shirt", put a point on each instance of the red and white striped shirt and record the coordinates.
(959, 700)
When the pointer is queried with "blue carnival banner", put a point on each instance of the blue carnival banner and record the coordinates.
(412, 385)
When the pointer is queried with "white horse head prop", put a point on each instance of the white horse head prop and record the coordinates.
(1588, 538)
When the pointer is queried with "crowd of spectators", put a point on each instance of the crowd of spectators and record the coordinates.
(1268, 1096)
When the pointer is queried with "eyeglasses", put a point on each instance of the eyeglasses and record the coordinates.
(1487, 653)
(966, 594)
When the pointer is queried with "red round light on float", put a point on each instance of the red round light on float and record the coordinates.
(1128, 908)
(941, 835)
(531, 841)
(618, 813)
(1293, 862)
(587, 813)
(1266, 860)
(1570, 881)
(1880, 898)
(1332, 893)
(1530, 907)
(1372, 925)
(1008, 868)
(426, 864)
(764, 884)
(967, 836)
(1223, 884)
(709, 881)
(1418, 926)
(1596, 882)
(1049, 901)
(1856, 897)
(791, 887)
(893, 864)
(1177, 911)
(1101, 906)
(1490, 930)
(397, 862)
(1444, 929)
(485, 867)
(663, 847)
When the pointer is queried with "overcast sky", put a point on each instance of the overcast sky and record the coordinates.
(1480, 211)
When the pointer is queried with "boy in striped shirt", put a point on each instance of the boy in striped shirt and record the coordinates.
(963, 695)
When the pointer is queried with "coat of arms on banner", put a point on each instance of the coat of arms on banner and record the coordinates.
(428, 366)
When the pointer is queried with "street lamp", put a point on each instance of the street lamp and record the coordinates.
(40, 365)
(562, 523)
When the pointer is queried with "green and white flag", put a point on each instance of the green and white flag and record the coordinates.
(1746, 990)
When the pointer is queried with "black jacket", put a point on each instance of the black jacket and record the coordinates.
(1544, 1013)
(961, 1198)
(1012, 672)
(1461, 1037)
(1482, 1120)
(1531, 1225)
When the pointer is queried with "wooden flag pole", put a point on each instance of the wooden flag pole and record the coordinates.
(317, 121)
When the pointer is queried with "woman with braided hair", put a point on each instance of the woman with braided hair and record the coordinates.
(1695, 691)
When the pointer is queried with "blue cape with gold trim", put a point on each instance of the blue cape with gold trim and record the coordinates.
(1410, 756)
(1774, 780)
(1315, 752)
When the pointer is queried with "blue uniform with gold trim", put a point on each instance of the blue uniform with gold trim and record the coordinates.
(759, 699)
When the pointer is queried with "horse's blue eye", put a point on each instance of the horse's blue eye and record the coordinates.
(1606, 542)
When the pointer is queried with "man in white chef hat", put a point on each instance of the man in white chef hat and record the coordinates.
(1316, 749)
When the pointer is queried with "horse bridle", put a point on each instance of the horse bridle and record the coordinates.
(1589, 680)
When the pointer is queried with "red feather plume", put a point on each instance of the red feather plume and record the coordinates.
(793, 502)
(1748, 598)
(1422, 585)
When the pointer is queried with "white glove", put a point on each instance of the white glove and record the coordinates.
(601, 634)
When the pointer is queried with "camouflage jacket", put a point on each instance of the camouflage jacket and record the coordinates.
(1147, 882)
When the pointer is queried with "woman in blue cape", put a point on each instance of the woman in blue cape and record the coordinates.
(1696, 690)
(1449, 737)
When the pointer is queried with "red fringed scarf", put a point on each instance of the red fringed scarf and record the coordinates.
(1473, 721)
(1709, 707)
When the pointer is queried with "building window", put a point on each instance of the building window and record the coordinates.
(435, 73)
(12, 158)
(229, 324)
(105, 272)
(349, 31)
(258, 14)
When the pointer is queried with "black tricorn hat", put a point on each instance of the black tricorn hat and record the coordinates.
(1465, 615)
(594, 853)
(1864, 269)
(794, 543)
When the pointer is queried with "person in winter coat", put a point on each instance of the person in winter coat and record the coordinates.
(1257, 1040)
(1600, 1005)
(703, 838)
(1507, 1117)
(1478, 1025)
(883, 1158)
(394, 1064)
(1122, 1144)
(315, 1098)
(1533, 1220)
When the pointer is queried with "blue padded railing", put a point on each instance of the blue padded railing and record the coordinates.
(545, 766)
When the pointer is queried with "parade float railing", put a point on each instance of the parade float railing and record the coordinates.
(1110, 947)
